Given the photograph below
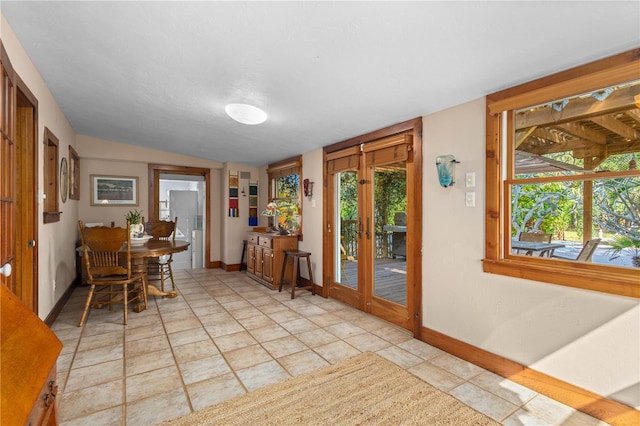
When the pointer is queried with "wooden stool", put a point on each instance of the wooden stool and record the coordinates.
(296, 256)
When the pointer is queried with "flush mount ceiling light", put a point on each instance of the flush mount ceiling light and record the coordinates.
(246, 114)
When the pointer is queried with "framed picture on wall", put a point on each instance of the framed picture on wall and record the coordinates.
(114, 190)
(74, 174)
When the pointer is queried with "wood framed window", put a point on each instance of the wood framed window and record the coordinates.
(284, 190)
(561, 160)
(51, 191)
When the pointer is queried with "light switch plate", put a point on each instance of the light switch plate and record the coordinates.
(470, 180)
(470, 199)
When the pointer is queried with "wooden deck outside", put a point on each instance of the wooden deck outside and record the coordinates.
(390, 279)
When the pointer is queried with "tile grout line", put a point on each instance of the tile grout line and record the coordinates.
(211, 337)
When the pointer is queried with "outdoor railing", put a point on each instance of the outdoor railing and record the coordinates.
(349, 239)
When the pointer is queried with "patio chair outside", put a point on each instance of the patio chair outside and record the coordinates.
(585, 254)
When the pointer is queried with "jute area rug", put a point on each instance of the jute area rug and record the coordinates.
(364, 390)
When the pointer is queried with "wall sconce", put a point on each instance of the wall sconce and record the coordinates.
(446, 165)
(244, 194)
(308, 188)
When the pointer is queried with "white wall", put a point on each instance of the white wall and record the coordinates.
(312, 220)
(56, 269)
(586, 338)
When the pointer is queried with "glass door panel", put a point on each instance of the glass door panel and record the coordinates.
(347, 224)
(389, 232)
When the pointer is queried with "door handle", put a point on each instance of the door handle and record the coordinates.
(368, 230)
(359, 231)
(31, 243)
(6, 269)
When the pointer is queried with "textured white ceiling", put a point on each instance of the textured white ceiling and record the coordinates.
(158, 74)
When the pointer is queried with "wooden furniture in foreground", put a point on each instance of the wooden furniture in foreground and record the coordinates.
(295, 256)
(111, 283)
(29, 351)
(159, 267)
(265, 254)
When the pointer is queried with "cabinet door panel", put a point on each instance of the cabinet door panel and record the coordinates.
(259, 261)
(267, 265)
(251, 259)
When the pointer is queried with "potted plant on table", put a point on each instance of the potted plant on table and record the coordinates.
(134, 219)
(272, 211)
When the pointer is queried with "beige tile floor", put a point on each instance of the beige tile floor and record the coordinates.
(225, 335)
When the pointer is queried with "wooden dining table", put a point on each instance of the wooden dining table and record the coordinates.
(141, 253)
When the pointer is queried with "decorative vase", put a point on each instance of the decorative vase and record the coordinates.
(136, 229)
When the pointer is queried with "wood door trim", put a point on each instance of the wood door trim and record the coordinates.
(154, 171)
(406, 126)
(27, 187)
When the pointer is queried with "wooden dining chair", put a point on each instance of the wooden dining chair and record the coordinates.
(159, 268)
(107, 255)
(585, 254)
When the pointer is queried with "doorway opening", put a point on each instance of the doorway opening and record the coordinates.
(183, 197)
(183, 193)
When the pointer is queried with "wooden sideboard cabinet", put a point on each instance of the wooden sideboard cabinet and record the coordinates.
(265, 255)
(29, 351)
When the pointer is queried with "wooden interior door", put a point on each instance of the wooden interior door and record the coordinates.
(27, 178)
(19, 186)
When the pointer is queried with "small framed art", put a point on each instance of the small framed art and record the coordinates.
(114, 190)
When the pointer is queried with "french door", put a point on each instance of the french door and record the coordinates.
(372, 216)
(9, 167)
(18, 177)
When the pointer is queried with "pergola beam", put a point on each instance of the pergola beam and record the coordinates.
(633, 113)
(616, 126)
(523, 134)
(583, 132)
(622, 99)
